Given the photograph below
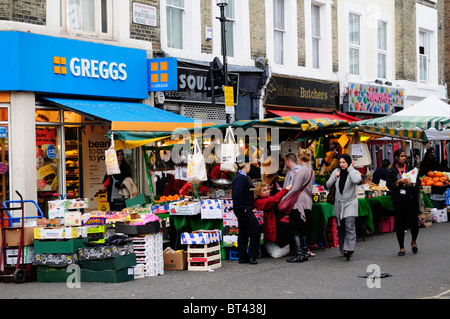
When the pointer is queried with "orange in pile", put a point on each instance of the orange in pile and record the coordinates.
(435, 179)
(169, 198)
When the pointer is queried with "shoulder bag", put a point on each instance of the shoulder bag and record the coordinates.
(286, 205)
(331, 194)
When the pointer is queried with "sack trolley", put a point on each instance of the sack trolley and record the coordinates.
(19, 275)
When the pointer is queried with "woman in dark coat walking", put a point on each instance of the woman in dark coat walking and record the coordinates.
(405, 198)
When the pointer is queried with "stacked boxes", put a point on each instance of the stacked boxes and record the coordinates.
(116, 269)
(149, 252)
(204, 252)
(52, 257)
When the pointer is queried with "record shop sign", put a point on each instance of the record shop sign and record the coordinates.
(193, 87)
(302, 93)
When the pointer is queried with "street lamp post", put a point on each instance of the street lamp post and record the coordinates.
(222, 4)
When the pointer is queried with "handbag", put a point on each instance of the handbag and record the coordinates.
(331, 195)
(286, 205)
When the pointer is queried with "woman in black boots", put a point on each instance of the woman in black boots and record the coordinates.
(405, 198)
(249, 227)
(302, 182)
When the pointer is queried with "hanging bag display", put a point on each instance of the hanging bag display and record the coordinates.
(228, 152)
(112, 164)
(286, 205)
(360, 152)
(196, 170)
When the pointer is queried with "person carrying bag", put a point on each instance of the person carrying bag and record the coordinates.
(301, 192)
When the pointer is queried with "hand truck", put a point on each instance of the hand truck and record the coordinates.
(20, 272)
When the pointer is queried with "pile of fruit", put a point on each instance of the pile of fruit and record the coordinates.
(435, 179)
(169, 198)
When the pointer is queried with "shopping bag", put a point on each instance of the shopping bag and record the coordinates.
(112, 164)
(360, 152)
(196, 170)
(228, 152)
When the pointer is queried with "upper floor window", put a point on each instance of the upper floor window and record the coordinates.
(229, 27)
(315, 34)
(279, 30)
(424, 55)
(354, 25)
(382, 49)
(87, 17)
(174, 11)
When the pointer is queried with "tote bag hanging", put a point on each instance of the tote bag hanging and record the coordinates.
(196, 170)
(228, 152)
(112, 164)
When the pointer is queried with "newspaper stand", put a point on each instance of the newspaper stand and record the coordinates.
(19, 272)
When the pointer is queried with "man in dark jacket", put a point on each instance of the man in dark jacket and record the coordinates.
(381, 172)
(243, 209)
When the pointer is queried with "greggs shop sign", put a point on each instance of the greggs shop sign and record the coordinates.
(38, 63)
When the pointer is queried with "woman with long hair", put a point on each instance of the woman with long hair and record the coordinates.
(303, 179)
(345, 178)
(405, 198)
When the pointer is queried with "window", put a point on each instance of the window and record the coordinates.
(315, 33)
(279, 30)
(354, 43)
(175, 11)
(424, 55)
(382, 49)
(89, 17)
(229, 27)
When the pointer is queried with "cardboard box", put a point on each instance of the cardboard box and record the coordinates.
(149, 228)
(212, 209)
(107, 275)
(118, 262)
(12, 236)
(60, 233)
(55, 260)
(185, 208)
(102, 252)
(68, 246)
(175, 261)
(72, 219)
(200, 237)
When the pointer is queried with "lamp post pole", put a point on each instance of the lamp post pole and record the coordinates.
(222, 4)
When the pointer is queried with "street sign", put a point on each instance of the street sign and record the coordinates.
(229, 99)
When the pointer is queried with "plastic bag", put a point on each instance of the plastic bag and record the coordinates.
(112, 164)
(196, 170)
(228, 152)
(276, 251)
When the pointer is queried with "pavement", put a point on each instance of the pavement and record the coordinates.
(328, 275)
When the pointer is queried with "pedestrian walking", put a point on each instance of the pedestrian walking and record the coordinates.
(345, 178)
(405, 199)
(302, 187)
(249, 228)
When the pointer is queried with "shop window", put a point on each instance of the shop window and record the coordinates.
(4, 163)
(73, 163)
(52, 116)
(48, 170)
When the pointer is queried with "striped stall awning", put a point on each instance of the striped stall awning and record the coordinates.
(305, 125)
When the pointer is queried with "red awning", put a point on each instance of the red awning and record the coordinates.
(315, 115)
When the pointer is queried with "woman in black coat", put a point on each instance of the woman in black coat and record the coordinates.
(405, 198)
(249, 227)
(112, 184)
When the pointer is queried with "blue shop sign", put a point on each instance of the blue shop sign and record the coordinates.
(162, 75)
(38, 63)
